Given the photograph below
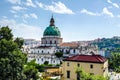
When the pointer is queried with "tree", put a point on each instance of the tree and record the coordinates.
(5, 33)
(37, 66)
(114, 61)
(46, 62)
(82, 75)
(12, 60)
(59, 54)
(31, 72)
(19, 42)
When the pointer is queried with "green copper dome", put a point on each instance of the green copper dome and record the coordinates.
(51, 30)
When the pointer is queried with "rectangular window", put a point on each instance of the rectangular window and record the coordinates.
(68, 74)
(91, 66)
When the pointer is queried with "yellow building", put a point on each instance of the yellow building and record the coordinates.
(52, 71)
(93, 64)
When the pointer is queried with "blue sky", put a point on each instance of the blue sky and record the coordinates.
(76, 19)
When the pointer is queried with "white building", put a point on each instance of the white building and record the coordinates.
(51, 42)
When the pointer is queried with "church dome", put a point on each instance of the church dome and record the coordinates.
(52, 30)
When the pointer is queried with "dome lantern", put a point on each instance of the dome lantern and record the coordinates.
(52, 21)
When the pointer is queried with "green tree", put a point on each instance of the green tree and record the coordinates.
(19, 41)
(31, 70)
(82, 75)
(5, 33)
(31, 73)
(59, 54)
(114, 61)
(12, 60)
(46, 62)
(37, 66)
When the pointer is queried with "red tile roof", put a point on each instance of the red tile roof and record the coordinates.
(87, 58)
(69, 44)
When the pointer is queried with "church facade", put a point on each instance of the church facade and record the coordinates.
(51, 42)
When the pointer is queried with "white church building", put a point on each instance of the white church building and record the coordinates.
(51, 42)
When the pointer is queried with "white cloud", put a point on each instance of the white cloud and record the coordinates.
(17, 8)
(89, 12)
(22, 30)
(30, 3)
(12, 11)
(114, 4)
(56, 7)
(33, 15)
(107, 12)
(40, 4)
(15, 1)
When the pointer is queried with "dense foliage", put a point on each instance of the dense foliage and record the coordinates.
(13, 63)
(5, 33)
(114, 62)
(12, 59)
(40, 68)
(59, 54)
(19, 42)
(30, 71)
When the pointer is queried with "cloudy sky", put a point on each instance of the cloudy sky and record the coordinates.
(76, 19)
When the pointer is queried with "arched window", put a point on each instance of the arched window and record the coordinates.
(50, 42)
(42, 51)
(74, 50)
(55, 42)
(42, 59)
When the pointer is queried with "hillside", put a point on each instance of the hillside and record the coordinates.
(107, 43)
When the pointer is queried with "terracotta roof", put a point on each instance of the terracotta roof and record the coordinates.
(87, 58)
(69, 44)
